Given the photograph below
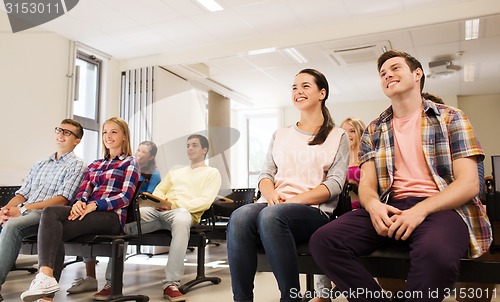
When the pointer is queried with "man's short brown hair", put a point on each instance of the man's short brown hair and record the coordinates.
(79, 128)
(409, 59)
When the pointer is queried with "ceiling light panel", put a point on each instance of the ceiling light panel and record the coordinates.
(469, 72)
(295, 55)
(261, 51)
(210, 5)
(471, 29)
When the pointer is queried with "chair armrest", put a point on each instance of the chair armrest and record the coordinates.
(225, 199)
(490, 184)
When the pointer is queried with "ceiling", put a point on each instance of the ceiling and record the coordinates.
(211, 49)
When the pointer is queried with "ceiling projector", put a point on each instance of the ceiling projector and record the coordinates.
(442, 69)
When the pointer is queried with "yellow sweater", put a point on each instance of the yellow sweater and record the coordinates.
(192, 189)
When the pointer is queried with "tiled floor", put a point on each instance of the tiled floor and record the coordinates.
(143, 275)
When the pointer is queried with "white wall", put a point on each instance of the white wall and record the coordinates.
(33, 86)
(178, 111)
(483, 112)
(110, 89)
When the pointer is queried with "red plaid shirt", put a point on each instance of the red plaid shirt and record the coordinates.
(110, 183)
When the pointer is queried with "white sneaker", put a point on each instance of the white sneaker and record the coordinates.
(40, 287)
(81, 285)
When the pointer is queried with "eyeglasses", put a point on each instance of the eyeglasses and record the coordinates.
(65, 132)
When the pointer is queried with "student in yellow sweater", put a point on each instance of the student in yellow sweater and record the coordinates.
(187, 192)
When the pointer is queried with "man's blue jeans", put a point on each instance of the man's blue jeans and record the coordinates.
(280, 228)
(11, 234)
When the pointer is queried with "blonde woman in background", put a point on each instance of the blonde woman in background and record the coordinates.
(354, 128)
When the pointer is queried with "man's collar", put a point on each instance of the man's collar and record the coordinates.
(428, 105)
(54, 155)
(120, 157)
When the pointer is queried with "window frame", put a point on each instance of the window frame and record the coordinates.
(88, 123)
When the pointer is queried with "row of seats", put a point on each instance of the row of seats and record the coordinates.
(6, 194)
(114, 246)
(394, 262)
(384, 263)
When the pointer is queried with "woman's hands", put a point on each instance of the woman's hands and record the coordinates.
(266, 187)
(80, 209)
(276, 198)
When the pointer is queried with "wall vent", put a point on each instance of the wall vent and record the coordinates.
(359, 54)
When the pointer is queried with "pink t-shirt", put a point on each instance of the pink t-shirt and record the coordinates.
(412, 176)
(353, 174)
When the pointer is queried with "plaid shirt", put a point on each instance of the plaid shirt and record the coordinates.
(110, 183)
(446, 135)
(53, 177)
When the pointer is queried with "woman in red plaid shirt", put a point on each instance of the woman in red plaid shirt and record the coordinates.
(99, 208)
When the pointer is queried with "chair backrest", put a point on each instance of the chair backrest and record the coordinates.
(480, 172)
(133, 208)
(208, 218)
(344, 205)
(6, 194)
(493, 191)
(239, 197)
(495, 164)
(246, 195)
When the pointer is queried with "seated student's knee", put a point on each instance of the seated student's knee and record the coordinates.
(251, 209)
(326, 238)
(243, 218)
(318, 239)
(148, 213)
(55, 213)
(272, 216)
(49, 211)
(245, 213)
(182, 217)
(11, 226)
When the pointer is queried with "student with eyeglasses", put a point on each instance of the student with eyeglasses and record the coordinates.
(53, 181)
(100, 207)
(66, 132)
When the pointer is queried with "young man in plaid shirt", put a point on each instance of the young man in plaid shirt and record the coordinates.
(53, 181)
(419, 187)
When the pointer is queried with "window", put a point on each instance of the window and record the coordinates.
(86, 104)
(260, 130)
